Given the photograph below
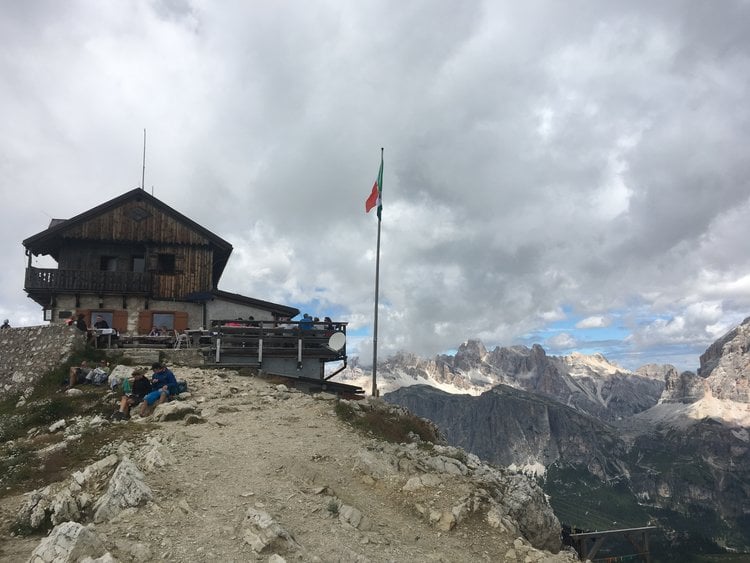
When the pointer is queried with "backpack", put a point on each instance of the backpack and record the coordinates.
(175, 390)
(97, 376)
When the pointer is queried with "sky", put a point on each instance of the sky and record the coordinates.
(573, 174)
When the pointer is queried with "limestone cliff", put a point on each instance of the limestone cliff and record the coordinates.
(680, 456)
(589, 384)
(726, 365)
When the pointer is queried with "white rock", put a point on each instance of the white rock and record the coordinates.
(126, 489)
(174, 410)
(64, 508)
(68, 542)
(59, 425)
(350, 515)
(263, 533)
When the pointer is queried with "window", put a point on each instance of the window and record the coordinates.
(106, 315)
(138, 264)
(108, 264)
(164, 320)
(165, 264)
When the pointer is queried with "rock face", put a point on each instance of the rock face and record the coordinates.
(27, 353)
(685, 387)
(726, 365)
(685, 451)
(589, 384)
(511, 427)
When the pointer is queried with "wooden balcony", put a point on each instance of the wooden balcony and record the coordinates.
(47, 281)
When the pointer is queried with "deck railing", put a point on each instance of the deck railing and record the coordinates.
(52, 279)
(254, 340)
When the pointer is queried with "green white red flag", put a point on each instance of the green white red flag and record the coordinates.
(376, 196)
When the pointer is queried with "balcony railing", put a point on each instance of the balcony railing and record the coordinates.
(39, 279)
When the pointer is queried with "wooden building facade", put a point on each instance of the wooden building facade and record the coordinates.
(138, 263)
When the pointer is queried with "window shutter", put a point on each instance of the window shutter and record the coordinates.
(180, 321)
(144, 322)
(120, 320)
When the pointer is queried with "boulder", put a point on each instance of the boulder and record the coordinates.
(68, 542)
(174, 410)
(126, 489)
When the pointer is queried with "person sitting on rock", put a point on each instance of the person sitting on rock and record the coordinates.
(163, 386)
(139, 388)
(77, 374)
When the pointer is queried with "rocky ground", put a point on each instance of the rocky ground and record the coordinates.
(255, 471)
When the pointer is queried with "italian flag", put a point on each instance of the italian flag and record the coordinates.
(376, 196)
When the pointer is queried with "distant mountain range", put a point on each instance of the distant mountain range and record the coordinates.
(614, 447)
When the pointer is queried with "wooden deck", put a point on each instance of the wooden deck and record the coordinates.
(259, 342)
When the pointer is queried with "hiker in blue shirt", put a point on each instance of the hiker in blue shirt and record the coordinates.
(163, 386)
(306, 323)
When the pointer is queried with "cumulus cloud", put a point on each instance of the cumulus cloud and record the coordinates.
(539, 158)
(561, 342)
(596, 321)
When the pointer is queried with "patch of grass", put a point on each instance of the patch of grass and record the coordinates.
(16, 461)
(387, 425)
(345, 411)
(21, 469)
(23, 430)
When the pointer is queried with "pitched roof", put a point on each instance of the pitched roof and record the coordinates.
(279, 310)
(47, 241)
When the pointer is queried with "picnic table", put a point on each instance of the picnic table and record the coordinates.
(146, 341)
(102, 335)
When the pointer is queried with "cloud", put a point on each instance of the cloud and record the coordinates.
(539, 158)
(561, 342)
(596, 321)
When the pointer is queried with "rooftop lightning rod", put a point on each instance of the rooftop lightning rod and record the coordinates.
(143, 173)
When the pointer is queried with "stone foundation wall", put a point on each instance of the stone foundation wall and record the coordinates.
(26, 353)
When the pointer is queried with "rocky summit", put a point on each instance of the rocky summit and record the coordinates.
(244, 469)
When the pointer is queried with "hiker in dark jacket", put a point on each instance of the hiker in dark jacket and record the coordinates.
(163, 386)
(138, 389)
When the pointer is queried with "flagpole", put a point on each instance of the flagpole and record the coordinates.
(377, 291)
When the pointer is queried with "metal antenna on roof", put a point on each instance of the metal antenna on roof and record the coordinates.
(143, 174)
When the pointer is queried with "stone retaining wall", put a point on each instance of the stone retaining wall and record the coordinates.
(26, 353)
